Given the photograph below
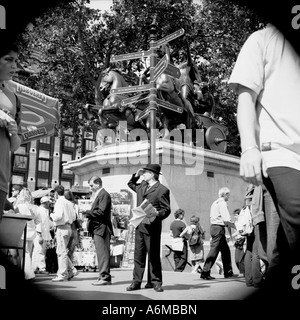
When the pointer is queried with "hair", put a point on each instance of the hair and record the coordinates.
(7, 44)
(18, 187)
(60, 190)
(194, 219)
(24, 197)
(69, 195)
(96, 180)
(237, 211)
(178, 212)
(223, 191)
(155, 176)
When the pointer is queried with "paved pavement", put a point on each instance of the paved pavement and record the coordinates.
(177, 286)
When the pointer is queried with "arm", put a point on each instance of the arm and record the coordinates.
(132, 184)
(100, 210)
(226, 215)
(57, 212)
(184, 232)
(165, 209)
(251, 159)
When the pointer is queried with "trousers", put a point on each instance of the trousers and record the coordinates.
(218, 244)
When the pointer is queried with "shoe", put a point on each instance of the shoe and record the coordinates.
(158, 288)
(58, 279)
(101, 282)
(43, 272)
(148, 285)
(73, 275)
(207, 277)
(230, 275)
(134, 286)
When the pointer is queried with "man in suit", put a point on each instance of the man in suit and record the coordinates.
(100, 226)
(147, 233)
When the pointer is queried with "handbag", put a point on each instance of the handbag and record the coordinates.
(177, 244)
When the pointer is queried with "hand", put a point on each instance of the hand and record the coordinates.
(140, 172)
(4, 119)
(12, 128)
(252, 166)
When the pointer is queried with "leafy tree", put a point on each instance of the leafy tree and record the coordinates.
(77, 43)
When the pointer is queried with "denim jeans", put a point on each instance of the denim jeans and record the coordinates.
(283, 184)
(254, 252)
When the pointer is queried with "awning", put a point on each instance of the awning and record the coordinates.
(41, 193)
(39, 114)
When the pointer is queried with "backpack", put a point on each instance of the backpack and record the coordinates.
(244, 223)
(195, 238)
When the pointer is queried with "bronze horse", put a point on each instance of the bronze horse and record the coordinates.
(112, 111)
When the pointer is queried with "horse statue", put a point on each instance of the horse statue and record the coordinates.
(112, 111)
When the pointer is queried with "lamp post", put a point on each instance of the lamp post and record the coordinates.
(153, 91)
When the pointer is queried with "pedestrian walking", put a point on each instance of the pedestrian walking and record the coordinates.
(195, 235)
(219, 219)
(176, 228)
(266, 79)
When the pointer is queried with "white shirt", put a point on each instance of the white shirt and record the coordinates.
(64, 212)
(268, 65)
(45, 225)
(94, 195)
(219, 213)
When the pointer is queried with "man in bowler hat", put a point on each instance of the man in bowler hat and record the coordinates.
(147, 234)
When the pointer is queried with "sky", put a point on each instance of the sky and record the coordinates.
(105, 4)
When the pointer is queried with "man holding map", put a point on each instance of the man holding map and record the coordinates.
(154, 199)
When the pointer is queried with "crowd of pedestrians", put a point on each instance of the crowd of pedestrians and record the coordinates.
(51, 234)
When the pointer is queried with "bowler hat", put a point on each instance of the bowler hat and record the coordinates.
(153, 167)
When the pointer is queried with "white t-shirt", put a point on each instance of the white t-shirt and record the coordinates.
(268, 64)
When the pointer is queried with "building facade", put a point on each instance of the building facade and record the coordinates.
(39, 164)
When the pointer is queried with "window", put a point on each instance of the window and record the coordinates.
(42, 183)
(20, 159)
(44, 162)
(65, 157)
(68, 141)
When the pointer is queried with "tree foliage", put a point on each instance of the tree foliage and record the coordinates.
(77, 43)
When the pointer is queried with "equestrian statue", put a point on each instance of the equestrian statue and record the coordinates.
(185, 92)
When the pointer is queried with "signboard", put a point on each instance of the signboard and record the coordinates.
(131, 89)
(137, 98)
(172, 71)
(169, 106)
(160, 67)
(169, 38)
(130, 56)
(143, 114)
(39, 112)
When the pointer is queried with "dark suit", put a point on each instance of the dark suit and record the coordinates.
(100, 226)
(147, 236)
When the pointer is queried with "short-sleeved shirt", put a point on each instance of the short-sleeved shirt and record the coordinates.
(269, 65)
(219, 213)
(177, 226)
